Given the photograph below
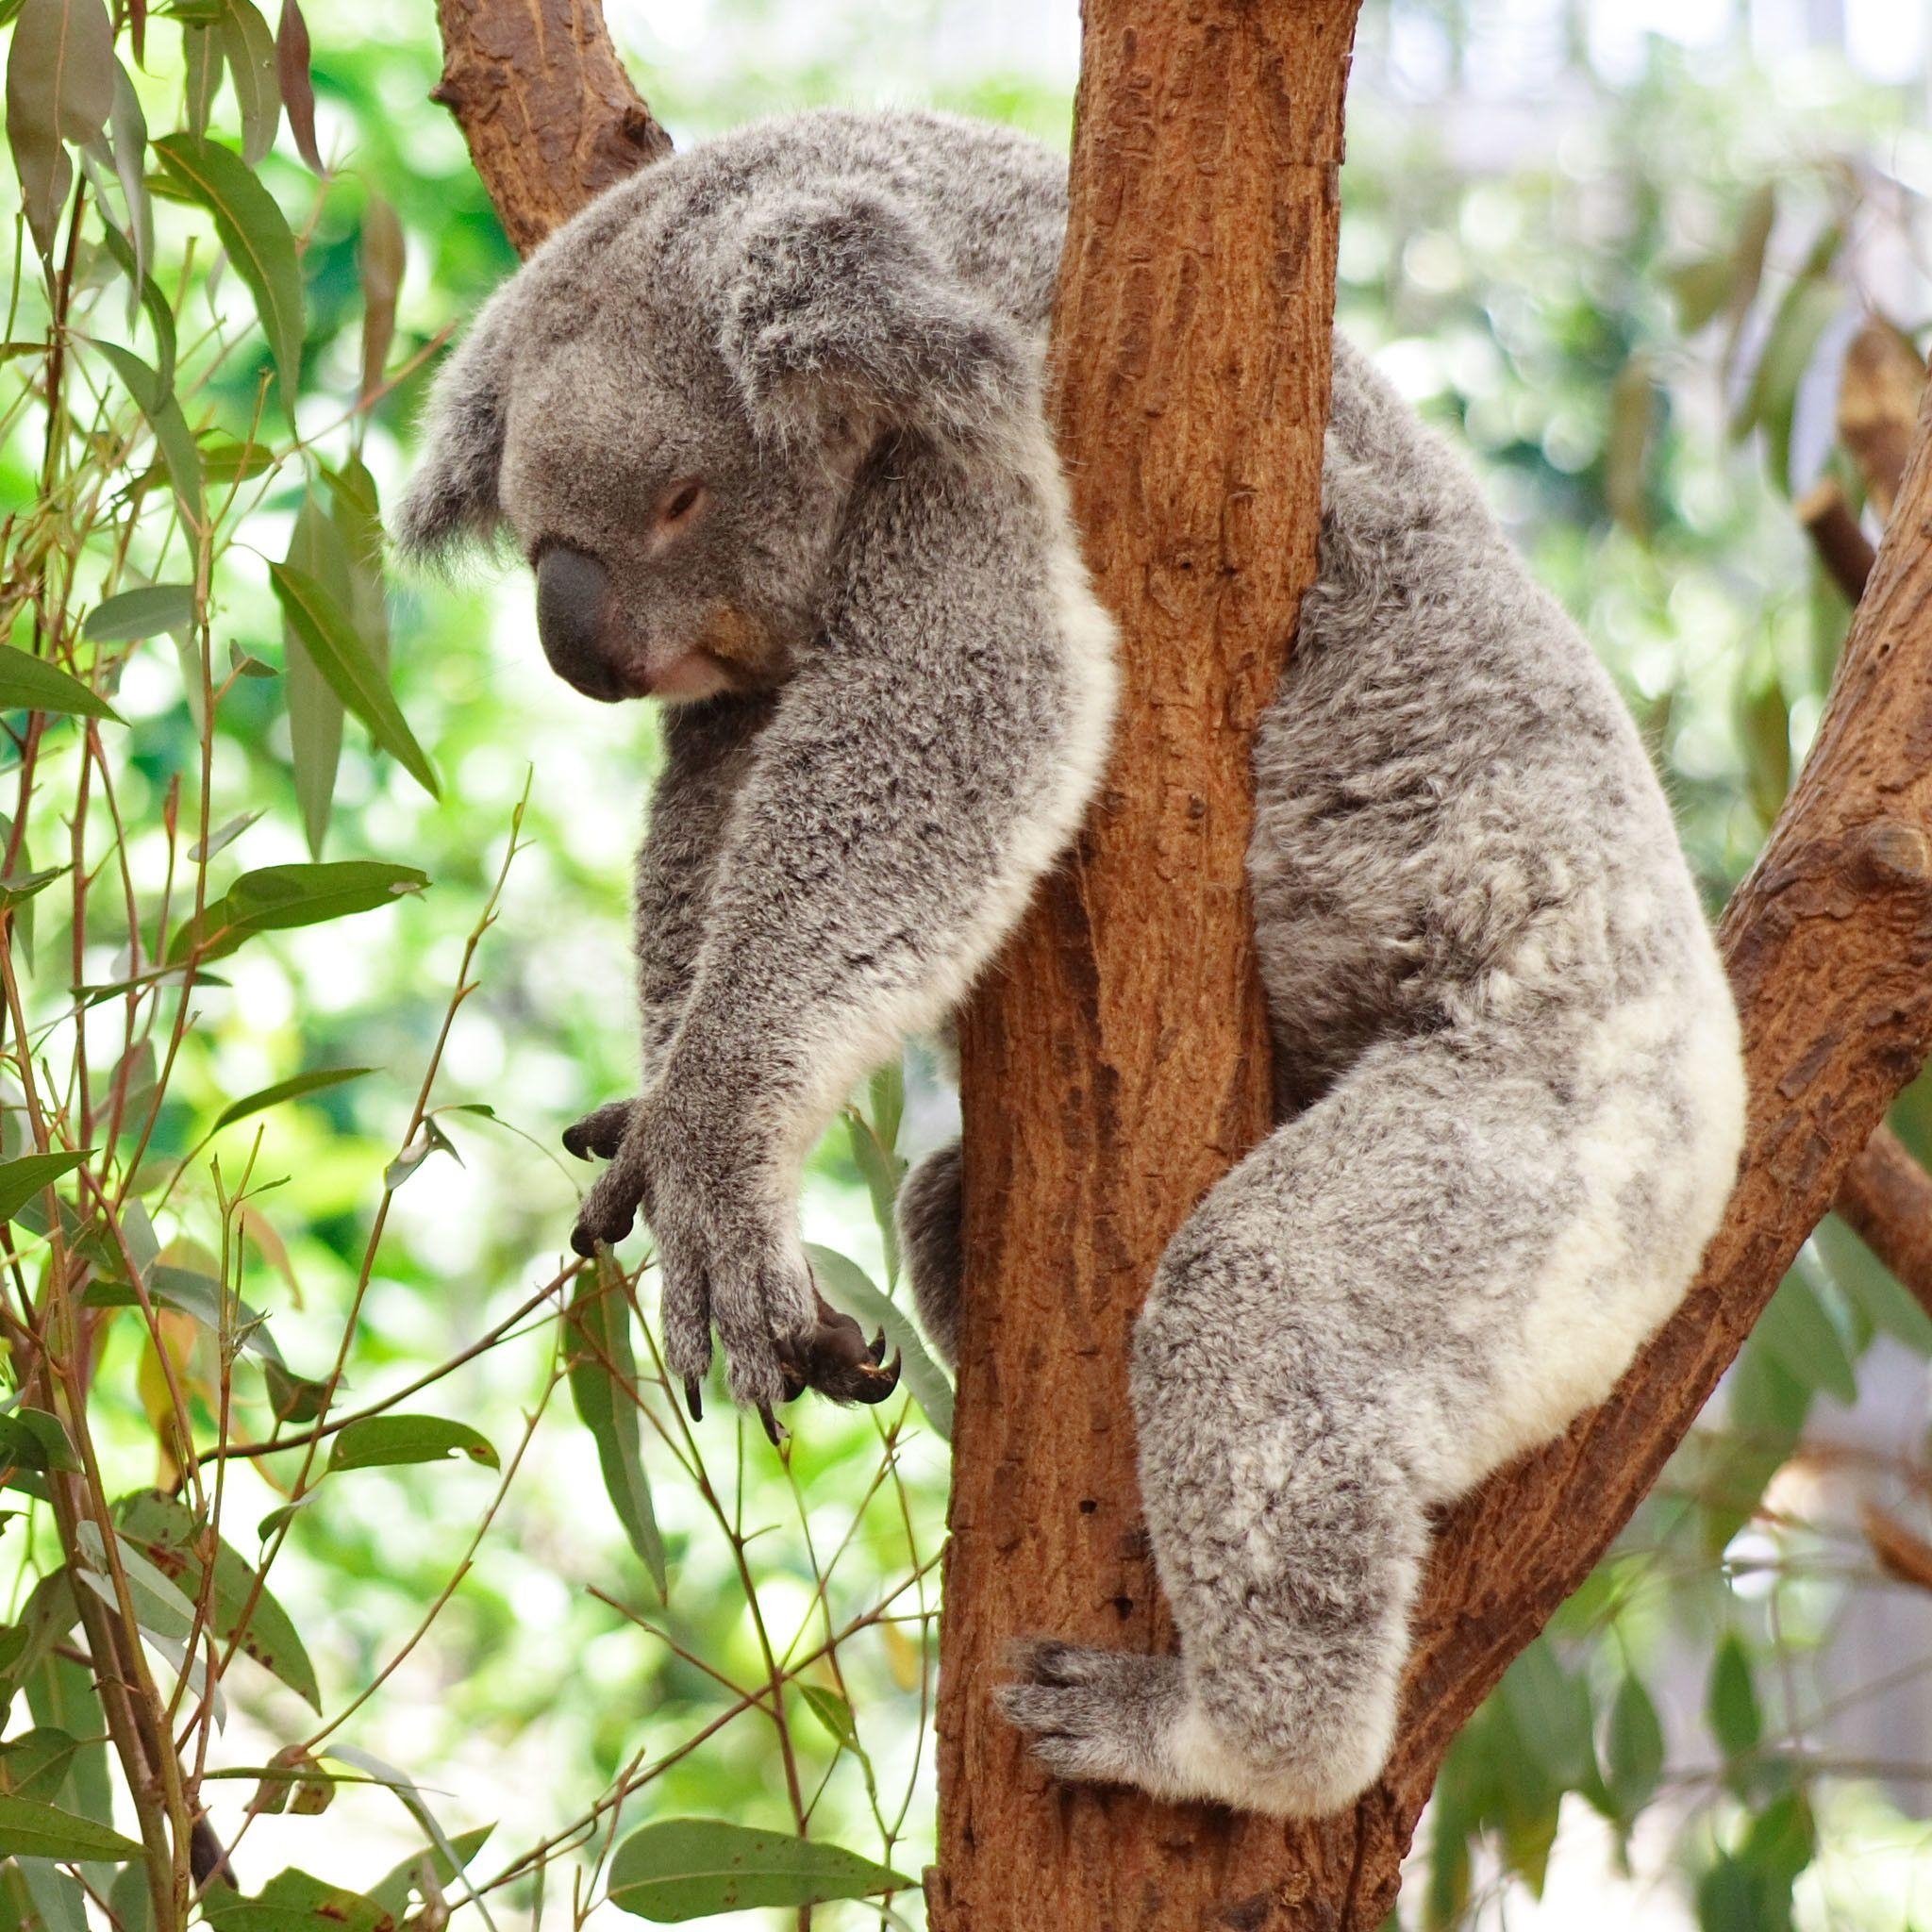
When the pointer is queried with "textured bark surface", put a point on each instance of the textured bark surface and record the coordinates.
(1117, 1062)
(549, 114)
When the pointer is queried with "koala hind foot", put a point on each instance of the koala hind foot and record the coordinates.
(1098, 1716)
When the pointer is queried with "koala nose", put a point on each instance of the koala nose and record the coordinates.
(572, 609)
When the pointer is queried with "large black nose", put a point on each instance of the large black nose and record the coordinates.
(573, 614)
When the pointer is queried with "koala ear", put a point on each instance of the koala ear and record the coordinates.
(838, 306)
(451, 497)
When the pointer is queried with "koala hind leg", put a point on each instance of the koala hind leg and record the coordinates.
(1430, 1268)
(1291, 1550)
(928, 1214)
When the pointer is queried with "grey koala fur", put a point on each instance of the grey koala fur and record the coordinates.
(1508, 1073)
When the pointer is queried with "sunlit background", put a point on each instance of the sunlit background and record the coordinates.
(1619, 251)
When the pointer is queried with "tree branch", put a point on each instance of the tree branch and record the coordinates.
(549, 113)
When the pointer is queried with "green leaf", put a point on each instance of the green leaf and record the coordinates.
(1870, 1288)
(603, 1383)
(1726, 1899)
(1731, 1700)
(166, 1533)
(316, 548)
(141, 613)
(293, 1901)
(848, 1288)
(59, 88)
(159, 1605)
(179, 453)
(29, 1829)
(127, 144)
(223, 460)
(1701, 288)
(685, 1868)
(201, 56)
(130, 1903)
(20, 887)
(382, 278)
(882, 1171)
(34, 1439)
(378, 1441)
(256, 234)
(22, 1179)
(250, 51)
(392, 1893)
(31, 684)
(1800, 1333)
(833, 1713)
(280, 897)
(146, 292)
(35, 1764)
(1633, 1748)
(351, 673)
(316, 1082)
(1550, 1709)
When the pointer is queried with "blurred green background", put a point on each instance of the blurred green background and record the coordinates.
(1619, 255)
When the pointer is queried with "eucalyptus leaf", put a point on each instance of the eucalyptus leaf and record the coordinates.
(380, 1441)
(602, 1384)
(249, 48)
(689, 1868)
(317, 1081)
(59, 88)
(280, 897)
(317, 550)
(298, 90)
(31, 684)
(29, 1829)
(179, 454)
(350, 670)
(256, 234)
(23, 1178)
(165, 1531)
(141, 613)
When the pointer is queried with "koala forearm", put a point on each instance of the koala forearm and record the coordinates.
(708, 754)
(917, 777)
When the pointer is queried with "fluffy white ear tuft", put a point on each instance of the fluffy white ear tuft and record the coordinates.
(838, 308)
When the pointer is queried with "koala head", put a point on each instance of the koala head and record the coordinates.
(670, 404)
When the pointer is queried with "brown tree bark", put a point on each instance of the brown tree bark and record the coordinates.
(549, 113)
(1117, 1064)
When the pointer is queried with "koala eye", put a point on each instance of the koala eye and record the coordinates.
(682, 502)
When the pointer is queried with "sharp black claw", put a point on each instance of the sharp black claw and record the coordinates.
(770, 1422)
(877, 1350)
(693, 1399)
(877, 1385)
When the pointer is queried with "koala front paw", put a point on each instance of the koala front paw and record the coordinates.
(727, 1259)
(600, 1133)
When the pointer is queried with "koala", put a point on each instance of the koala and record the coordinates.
(766, 421)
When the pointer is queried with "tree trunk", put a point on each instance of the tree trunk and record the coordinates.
(1116, 1063)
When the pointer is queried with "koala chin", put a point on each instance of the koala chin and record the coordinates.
(766, 418)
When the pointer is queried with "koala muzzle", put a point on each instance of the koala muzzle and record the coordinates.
(572, 619)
